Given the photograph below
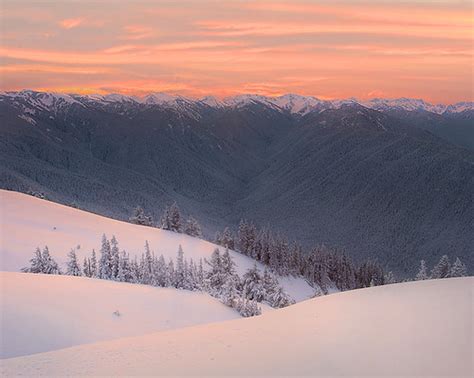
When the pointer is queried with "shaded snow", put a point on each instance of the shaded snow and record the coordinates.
(412, 329)
(27, 222)
(47, 312)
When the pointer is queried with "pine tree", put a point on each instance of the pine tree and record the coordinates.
(105, 261)
(227, 239)
(247, 308)
(171, 219)
(180, 272)
(193, 228)
(270, 284)
(36, 263)
(86, 267)
(458, 269)
(252, 285)
(146, 266)
(215, 278)
(114, 257)
(280, 298)
(124, 271)
(139, 217)
(442, 269)
(93, 262)
(73, 268)
(49, 264)
(160, 272)
(422, 272)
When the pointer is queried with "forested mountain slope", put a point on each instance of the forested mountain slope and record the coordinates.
(366, 178)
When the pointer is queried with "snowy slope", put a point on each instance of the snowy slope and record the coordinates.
(27, 222)
(48, 312)
(413, 329)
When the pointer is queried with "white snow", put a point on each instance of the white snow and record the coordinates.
(47, 312)
(27, 222)
(298, 104)
(412, 329)
(294, 103)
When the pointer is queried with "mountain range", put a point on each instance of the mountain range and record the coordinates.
(392, 180)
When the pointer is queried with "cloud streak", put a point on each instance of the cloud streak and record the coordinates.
(326, 48)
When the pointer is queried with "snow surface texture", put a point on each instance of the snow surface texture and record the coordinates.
(421, 328)
(27, 222)
(48, 312)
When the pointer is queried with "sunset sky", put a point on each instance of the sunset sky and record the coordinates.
(328, 49)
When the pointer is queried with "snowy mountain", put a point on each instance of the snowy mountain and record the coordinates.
(292, 103)
(343, 175)
(411, 329)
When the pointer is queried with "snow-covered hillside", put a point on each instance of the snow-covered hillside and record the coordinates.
(413, 329)
(48, 312)
(27, 222)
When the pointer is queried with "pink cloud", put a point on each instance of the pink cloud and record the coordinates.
(70, 23)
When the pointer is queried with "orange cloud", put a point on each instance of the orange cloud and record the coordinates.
(326, 48)
(70, 23)
(136, 32)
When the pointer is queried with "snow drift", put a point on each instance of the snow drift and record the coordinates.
(418, 329)
(48, 312)
(27, 222)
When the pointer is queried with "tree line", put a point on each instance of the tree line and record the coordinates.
(219, 278)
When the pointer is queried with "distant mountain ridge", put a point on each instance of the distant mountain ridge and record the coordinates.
(293, 103)
(390, 180)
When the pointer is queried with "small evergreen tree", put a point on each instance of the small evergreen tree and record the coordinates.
(105, 261)
(458, 269)
(139, 217)
(442, 269)
(36, 263)
(50, 265)
(171, 219)
(422, 272)
(193, 228)
(73, 268)
(94, 270)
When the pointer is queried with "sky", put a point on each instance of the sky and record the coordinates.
(328, 49)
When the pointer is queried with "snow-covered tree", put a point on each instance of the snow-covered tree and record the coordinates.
(42, 262)
(105, 261)
(86, 267)
(36, 263)
(180, 271)
(146, 266)
(252, 285)
(422, 272)
(124, 273)
(247, 308)
(215, 278)
(49, 264)
(114, 256)
(94, 269)
(280, 298)
(192, 227)
(226, 239)
(139, 217)
(73, 268)
(171, 219)
(458, 269)
(442, 269)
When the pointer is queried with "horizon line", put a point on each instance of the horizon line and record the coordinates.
(223, 98)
